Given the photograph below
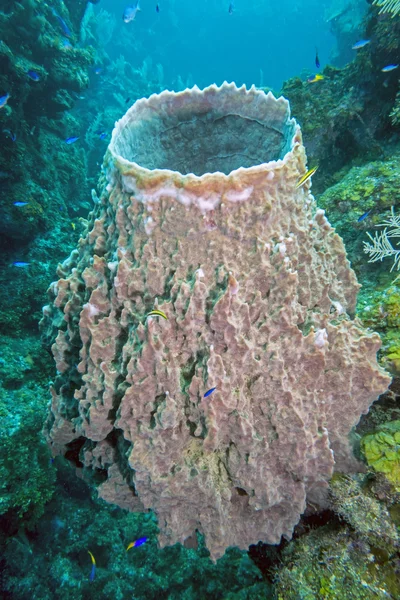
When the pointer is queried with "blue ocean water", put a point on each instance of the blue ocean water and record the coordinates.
(108, 416)
(201, 42)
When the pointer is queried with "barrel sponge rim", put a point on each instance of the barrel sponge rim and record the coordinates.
(227, 100)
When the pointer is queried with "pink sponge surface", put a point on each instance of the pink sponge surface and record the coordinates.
(199, 216)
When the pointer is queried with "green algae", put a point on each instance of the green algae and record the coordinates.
(373, 187)
(382, 451)
(354, 501)
(354, 558)
(333, 565)
(379, 309)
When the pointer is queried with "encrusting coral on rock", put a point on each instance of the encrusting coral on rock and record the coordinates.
(200, 217)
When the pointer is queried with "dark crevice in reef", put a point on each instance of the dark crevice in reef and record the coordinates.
(73, 451)
(113, 438)
(204, 430)
(70, 403)
(120, 383)
(268, 558)
(316, 520)
(68, 382)
(158, 400)
(98, 476)
(192, 426)
(169, 283)
(123, 449)
(216, 292)
(121, 387)
(187, 372)
(121, 340)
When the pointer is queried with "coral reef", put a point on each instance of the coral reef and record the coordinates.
(43, 179)
(334, 565)
(353, 558)
(24, 288)
(52, 190)
(26, 481)
(381, 246)
(388, 6)
(41, 77)
(342, 117)
(257, 294)
(350, 117)
(53, 556)
(354, 500)
(382, 451)
(49, 517)
(379, 309)
(367, 191)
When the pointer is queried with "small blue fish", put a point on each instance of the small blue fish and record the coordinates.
(93, 571)
(317, 63)
(360, 44)
(12, 135)
(21, 203)
(71, 140)
(4, 100)
(389, 68)
(209, 392)
(137, 543)
(231, 8)
(98, 70)
(157, 8)
(127, 100)
(64, 26)
(66, 44)
(33, 75)
(21, 264)
(103, 135)
(364, 216)
(130, 12)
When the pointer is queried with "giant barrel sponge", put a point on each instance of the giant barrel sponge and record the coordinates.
(200, 218)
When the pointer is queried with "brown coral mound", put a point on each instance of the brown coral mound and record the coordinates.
(200, 217)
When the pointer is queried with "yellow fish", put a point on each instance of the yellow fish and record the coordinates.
(157, 313)
(73, 226)
(315, 78)
(306, 176)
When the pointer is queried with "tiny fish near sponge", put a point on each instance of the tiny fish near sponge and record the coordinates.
(200, 218)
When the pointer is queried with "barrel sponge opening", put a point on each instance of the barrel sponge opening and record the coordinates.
(218, 129)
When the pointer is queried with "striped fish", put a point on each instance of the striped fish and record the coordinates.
(306, 176)
(157, 313)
